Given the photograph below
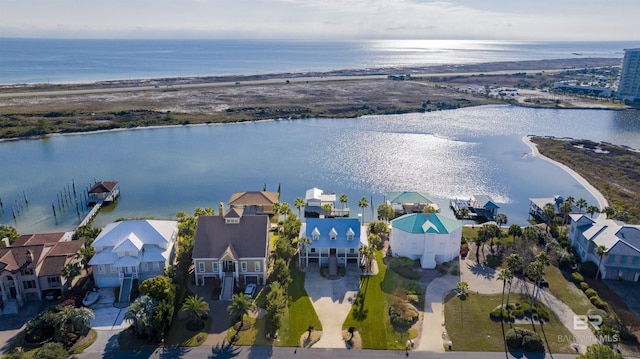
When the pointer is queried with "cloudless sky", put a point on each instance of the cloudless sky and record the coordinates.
(588, 20)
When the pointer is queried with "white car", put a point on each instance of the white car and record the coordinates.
(250, 290)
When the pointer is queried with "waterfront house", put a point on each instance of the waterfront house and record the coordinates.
(316, 199)
(622, 243)
(103, 191)
(30, 268)
(430, 237)
(334, 241)
(479, 207)
(232, 248)
(254, 202)
(410, 202)
(128, 250)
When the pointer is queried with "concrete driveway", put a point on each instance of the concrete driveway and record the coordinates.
(332, 300)
(108, 316)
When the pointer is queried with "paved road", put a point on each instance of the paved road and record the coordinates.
(252, 82)
(290, 353)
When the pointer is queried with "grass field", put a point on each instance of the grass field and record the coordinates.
(369, 313)
(470, 328)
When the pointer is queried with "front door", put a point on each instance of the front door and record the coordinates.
(229, 266)
(332, 251)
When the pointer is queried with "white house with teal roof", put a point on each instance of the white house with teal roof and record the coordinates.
(430, 237)
(334, 241)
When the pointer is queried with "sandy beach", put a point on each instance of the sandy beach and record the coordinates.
(602, 202)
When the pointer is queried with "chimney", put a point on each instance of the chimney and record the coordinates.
(29, 256)
(5, 242)
(221, 209)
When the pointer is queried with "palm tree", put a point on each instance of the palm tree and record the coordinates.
(535, 271)
(368, 253)
(299, 203)
(548, 213)
(515, 230)
(363, 203)
(303, 242)
(463, 212)
(501, 219)
(285, 209)
(343, 200)
(601, 251)
(240, 306)
(462, 288)
(70, 271)
(565, 208)
(195, 307)
(570, 199)
(276, 210)
(80, 318)
(591, 209)
(505, 276)
(140, 313)
(581, 203)
(326, 208)
(514, 262)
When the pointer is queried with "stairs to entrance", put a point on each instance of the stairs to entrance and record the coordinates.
(125, 290)
(333, 266)
(10, 307)
(227, 288)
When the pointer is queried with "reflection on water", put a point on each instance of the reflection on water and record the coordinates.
(455, 153)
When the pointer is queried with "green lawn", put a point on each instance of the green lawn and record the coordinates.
(179, 335)
(470, 328)
(300, 314)
(566, 291)
(253, 336)
(368, 314)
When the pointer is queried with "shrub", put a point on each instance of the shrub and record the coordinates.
(524, 340)
(584, 286)
(589, 269)
(402, 313)
(599, 303)
(542, 313)
(378, 227)
(405, 267)
(52, 351)
(415, 293)
(517, 313)
(577, 277)
(591, 293)
(455, 270)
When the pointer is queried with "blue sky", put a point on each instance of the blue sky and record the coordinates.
(587, 20)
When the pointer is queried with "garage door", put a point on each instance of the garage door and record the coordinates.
(251, 279)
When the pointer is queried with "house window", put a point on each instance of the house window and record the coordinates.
(352, 250)
(611, 259)
(350, 234)
(53, 281)
(114, 269)
(243, 266)
(200, 266)
(29, 284)
(313, 250)
(156, 265)
(145, 266)
(315, 234)
(101, 269)
(333, 234)
(623, 259)
(635, 260)
(27, 272)
(215, 267)
(232, 220)
(256, 266)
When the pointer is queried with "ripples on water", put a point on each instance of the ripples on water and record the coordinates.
(456, 153)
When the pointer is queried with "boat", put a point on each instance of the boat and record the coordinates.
(90, 299)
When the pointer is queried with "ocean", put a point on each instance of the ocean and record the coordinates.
(28, 61)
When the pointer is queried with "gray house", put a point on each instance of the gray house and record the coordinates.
(233, 248)
(622, 242)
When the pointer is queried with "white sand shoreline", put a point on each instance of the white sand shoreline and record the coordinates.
(602, 202)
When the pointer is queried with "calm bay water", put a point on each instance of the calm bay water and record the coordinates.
(79, 60)
(449, 154)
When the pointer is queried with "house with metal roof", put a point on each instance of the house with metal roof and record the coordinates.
(410, 202)
(127, 250)
(479, 207)
(334, 241)
(232, 248)
(254, 202)
(315, 199)
(30, 268)
(622, 243)
(430, 237)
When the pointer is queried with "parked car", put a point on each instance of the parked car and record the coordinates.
(250, 290)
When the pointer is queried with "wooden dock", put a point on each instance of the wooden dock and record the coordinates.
(91, 214)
